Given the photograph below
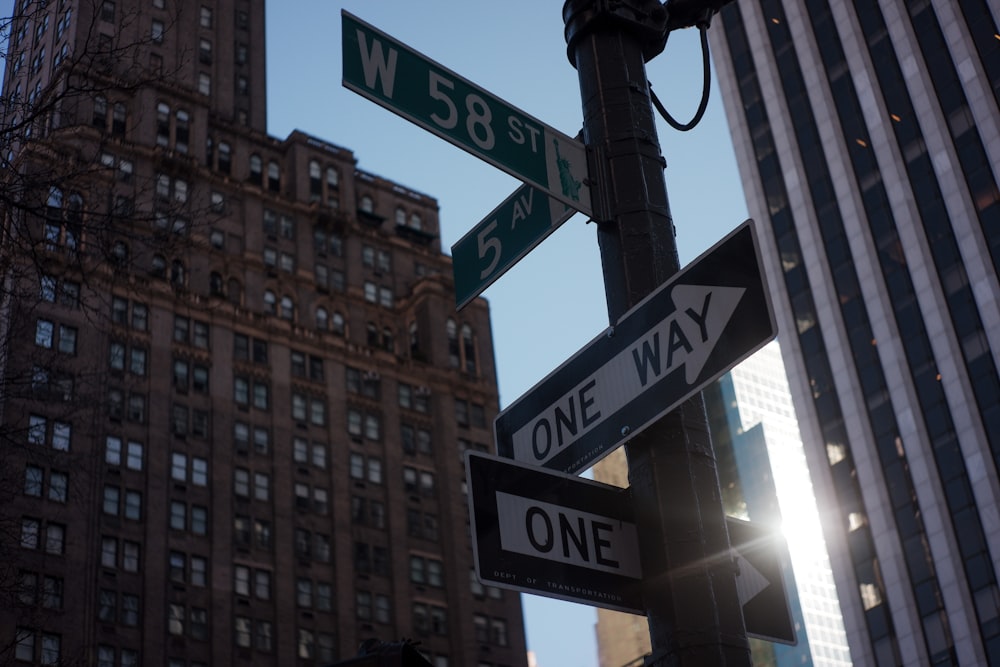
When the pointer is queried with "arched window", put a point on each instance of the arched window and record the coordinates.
(55, 201)
(162, 185)
(99, 119)
(387, 340)
(416, 222)
(287, 307)
(453, 351)
(322, 319)
(158, 267)
(177, 276)
(74, 221)
(414, 339)
(367, 204)
(270, 302)
(273, 176)
(400, 216)
(315, 181)
(225, 158)
(256, 170)
(332, 182)
(468, 349)
(162, 124)
(182, 131)
(372, 334)
(118, 116)
(234, 292)
(119, 253)
(338, 326)
(215, 284)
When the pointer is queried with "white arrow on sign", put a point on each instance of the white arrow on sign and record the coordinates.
(683, 335)
(686, 338)
(760, 583)
(749, 582)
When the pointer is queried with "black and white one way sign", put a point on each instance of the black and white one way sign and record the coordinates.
(553, 534)
(707, 318)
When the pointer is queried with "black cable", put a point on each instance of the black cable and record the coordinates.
(706, 85)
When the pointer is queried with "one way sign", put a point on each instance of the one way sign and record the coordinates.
(760, 584)
(686, 334)
(552, 534)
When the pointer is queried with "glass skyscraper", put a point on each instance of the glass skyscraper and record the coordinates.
(866, 134)
(764, 478)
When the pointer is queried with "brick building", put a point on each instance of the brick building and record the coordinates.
(236, 390)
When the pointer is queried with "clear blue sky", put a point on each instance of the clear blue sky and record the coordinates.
(552, 302)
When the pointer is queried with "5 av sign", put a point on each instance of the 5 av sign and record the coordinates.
(500, 240)
(405, 81)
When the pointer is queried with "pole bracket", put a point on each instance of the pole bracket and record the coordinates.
(646, 19)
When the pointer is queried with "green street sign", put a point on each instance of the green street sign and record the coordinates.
(402, 80)
(502, 238)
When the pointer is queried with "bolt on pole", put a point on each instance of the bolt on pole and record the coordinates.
(689, 591)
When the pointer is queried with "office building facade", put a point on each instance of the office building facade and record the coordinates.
(236, 391)
(866, 134)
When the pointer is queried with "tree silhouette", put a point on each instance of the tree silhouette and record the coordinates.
(85, 226)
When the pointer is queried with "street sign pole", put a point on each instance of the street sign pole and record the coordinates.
(690, 594)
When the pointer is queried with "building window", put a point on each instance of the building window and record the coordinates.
(315, 181)
(182, 131)
(33, 481)
(157, 31)
(363, 605)
(198, 621)
(357, 467)
(256, 171)
(262, 584)
(287, 307)
(118, 117)
(303, 593)
(205, 52)
(383, 609)
(482, 628)
(306, 644)
(109, 552)
(273, 177)
(44, 331)
(55, 537)
(58, 486)
(130, 556)
(241, 580)
(178, 515)
(176, 615)
(225, 158)
(162, 124)
(263, 640)
(242, 630)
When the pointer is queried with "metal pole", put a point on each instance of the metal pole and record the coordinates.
(689, 587)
